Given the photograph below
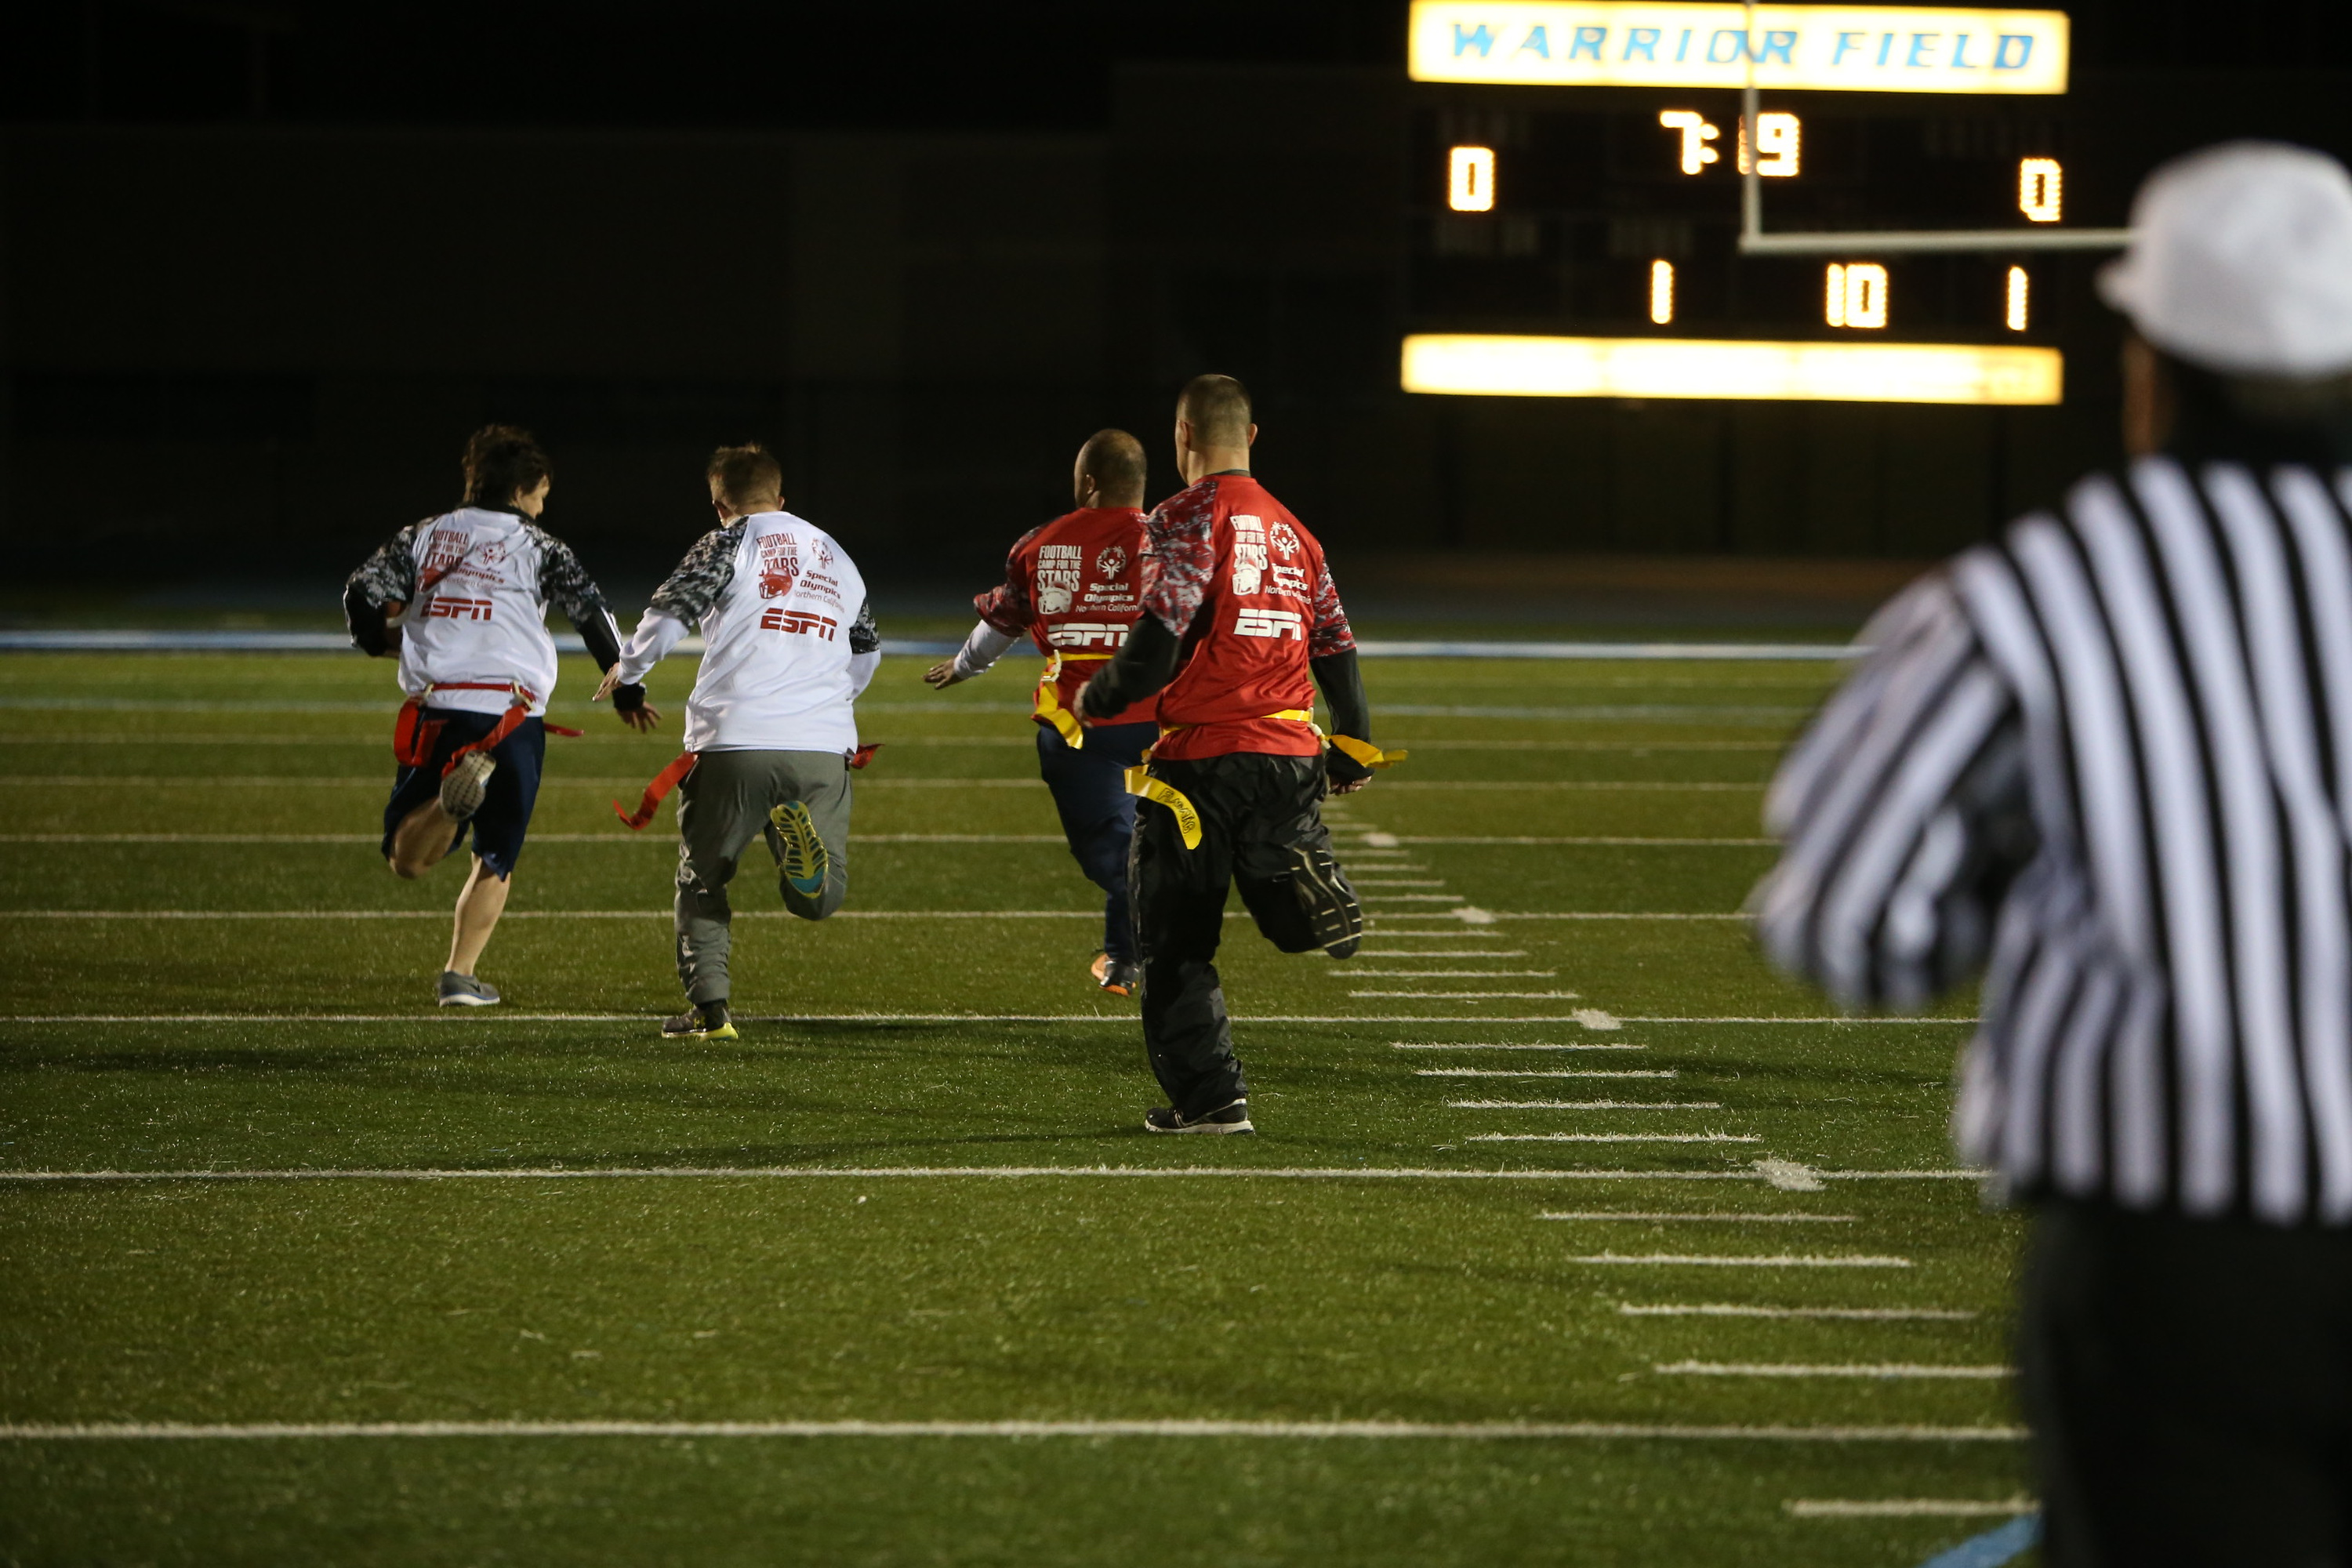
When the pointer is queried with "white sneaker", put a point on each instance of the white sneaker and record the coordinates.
(462, 786)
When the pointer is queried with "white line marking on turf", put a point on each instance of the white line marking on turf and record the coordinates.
(1465, 1431)
(1551, 1072)
(1452, 974)
(1487, 1045)
(1472, 996)
(1413, 899)
(1612, 1138)
(614, 837)
(1906, 1507)
(1890, 1370)
(1789, 1176)
(1776, 1261)
(1594, 1018)
(878, 1173)
(1715, 1216)
(1858, 1314)
(1832, 1019)
(1435, 952)
(1585, 1104)
(485, 1017)
(1610, 841)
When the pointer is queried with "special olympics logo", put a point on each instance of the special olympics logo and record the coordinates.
(1111, 562)
(1284, 539)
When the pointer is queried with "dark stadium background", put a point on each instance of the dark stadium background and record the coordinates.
(266, 264)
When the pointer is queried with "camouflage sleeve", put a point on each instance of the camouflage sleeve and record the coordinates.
(1180, 556)
(1330, 634)
(702, 576)
(389, 574)
(864, 636)
(1007, 606)
(565, 584)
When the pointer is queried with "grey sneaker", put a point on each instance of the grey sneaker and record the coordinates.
(461, 786)
(464, 783)
(464, 991)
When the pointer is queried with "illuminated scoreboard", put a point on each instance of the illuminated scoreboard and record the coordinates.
(1638, 200)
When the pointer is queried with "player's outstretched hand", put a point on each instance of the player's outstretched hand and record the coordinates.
(1344, 775)
(639, 715)
(942, 675)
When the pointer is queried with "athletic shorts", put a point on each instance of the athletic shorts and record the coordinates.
(506, 798)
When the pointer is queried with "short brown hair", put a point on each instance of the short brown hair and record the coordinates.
(745, 473)
(1219, 409)
(500, 460)
(1114, 461)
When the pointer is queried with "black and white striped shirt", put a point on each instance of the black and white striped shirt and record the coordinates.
(2109, 760)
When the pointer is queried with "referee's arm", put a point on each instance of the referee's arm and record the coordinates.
(1903, 814)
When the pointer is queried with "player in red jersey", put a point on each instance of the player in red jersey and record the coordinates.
(1073, 586)
(1241, 623)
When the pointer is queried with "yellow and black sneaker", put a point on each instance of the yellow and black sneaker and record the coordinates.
(800, 853)
(1332, 912)
(705, 1021)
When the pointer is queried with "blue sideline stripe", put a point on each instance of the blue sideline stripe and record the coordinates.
(135, 640)
(1993, 1548)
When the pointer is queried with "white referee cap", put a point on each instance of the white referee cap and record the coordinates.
(2242, 261)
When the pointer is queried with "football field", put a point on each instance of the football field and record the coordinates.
(1571, 1234)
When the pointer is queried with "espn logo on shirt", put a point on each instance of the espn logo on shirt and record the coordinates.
(780, 619)
(442, 608)
(1085, 634)
(1248, 623)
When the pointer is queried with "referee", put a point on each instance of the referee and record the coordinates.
(2108, 760)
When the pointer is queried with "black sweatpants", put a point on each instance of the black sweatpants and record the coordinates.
(2189, 1386)
(1253, 807)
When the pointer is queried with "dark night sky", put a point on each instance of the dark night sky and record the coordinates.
(1025, 65)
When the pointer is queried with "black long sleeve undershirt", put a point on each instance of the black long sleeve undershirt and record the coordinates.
(1147, 661)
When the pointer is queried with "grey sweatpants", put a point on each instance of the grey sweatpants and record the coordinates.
(722, 806)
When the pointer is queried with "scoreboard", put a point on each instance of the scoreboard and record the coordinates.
(1596, 212)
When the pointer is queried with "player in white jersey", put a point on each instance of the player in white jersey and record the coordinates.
(462, 598)
(771, 734)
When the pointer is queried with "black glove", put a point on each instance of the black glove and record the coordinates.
(629, 698)
(1340, 768)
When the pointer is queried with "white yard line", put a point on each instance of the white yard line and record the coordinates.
(1414, 898)
(1462, 1431)
(1889, 1370)
(883, 1173)
(616, 836)
(1856, 1314)
(1612, 1138)
(1612, 840)
(1776, 1261)
(1433, 952)
(1448, 974)
(1663, 786)
(487, 1017)
(1908, 1508)
(1715, 1216)
(1585, 1104)
(1472, 996)
(1490, 1046)
(1554, 1072)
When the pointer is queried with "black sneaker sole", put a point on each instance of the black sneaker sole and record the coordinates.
(1333, 915)
(1208, 1123)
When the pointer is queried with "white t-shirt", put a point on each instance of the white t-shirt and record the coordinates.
(480, 616)
(788, 637)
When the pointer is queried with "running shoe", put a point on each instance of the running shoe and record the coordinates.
(1119, 979)
(466, 991)
(1332, 912)
(462, 786)
(706, 1021)
(799, 853)
(1233, 1117)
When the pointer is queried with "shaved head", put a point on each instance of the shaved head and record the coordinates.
(1113, 460)
(1218, 409)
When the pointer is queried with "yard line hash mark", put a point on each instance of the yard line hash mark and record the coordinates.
(1906, 1507)
(1585, 1104)
(1886, 1370)
(1612, 1138)
(1544, 1072)
(1711, 1216)
(1311, 1430)
(1775, 1260)
(1852, 1314)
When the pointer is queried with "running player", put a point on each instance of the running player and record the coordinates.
(1241, 622)
(771, 734)
(1074, 585)
(463, 599)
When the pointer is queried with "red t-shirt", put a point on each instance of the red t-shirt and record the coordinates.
(1074, 587)
(1242, 584)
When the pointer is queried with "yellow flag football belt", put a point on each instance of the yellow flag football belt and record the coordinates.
(1141, 783)
(1049, 700)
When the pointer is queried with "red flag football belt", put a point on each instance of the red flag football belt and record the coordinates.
(670, 777)
(414, 736)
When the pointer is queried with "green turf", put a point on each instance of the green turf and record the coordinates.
(774, 1295)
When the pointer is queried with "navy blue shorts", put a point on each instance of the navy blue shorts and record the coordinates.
(506, 798)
